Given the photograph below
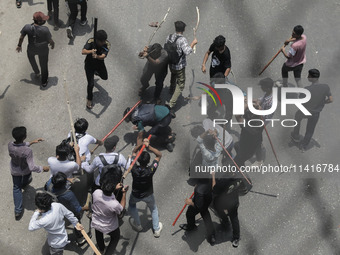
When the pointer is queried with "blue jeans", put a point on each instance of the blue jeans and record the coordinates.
(19, 182)
(151, 203)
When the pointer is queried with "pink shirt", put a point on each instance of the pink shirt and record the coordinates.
(105, 212)
(297, 52)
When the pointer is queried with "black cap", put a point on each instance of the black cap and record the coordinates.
(267, 82)
(111, 142)
(314, 73)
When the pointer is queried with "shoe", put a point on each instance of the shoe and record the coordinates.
(83, 23)
(302, 147)
(295, 138)
(18, 4)
(158, 232)
(235, 243)
(136, 227)
(212, 240)
(172, 113)
(170, 147)
(44, 85)
(257, 164)
(56, 27)
(278, 84)
(69, 33)
(80, 240)
(89, 104)
(187, 228)
(19, 215)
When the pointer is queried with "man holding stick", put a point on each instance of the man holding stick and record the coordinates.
(142, 188)
(296, 56)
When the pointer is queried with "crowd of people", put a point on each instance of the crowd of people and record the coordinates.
(71, 168)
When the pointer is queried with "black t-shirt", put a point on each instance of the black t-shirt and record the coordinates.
(100, 50)
(319, 94)
(142, 185)
(38, 36)
(220, 62)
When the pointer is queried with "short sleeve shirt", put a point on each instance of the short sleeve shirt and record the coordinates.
(67, 167)
(84, 143)
(319, 94)
(220, 62)
(41, 33)
(142, 185)
(100, 50)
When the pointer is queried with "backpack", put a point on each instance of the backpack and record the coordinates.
(171, 49)
(110, 168)
(72, 154)
(144, 113)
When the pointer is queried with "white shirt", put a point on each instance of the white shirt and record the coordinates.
(110, 158)
(67, 167)
(84, 143)
(53, 222)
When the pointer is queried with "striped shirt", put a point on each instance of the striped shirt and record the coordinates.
(183, 49)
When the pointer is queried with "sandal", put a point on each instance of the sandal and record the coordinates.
(89, 105)
(18, 3)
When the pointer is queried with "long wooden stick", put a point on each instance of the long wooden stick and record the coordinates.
(89, 241)
(197, 23)
(134, 161)
(173, 224)
(155, 31)
(120, 122)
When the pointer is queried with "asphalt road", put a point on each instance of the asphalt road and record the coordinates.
(301, 216)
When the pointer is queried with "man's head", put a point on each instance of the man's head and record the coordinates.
(267, 85)
(128, 118)
(108, 185)
(43, 201)
(40, 18)
(144, 159)
(313, 75)
(196, 131)
(19, 134)
(180, 26)
(81, 126)
(297, 31)
(209, 142)
(111, 143)
(155, 50)
(219, 43)
(59, 180)
(101, 37)
(62, 151)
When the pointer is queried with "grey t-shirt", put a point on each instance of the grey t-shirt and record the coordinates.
(319, 94)
(38, 36)
(163, 61)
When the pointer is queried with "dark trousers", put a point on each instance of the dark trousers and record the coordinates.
(90, 69)
(115, 235)
(42, 53)
(233, 215)
(19, 182)
(160, 75)
(297, 74)
(311, 124)
(74, 12)
(193, 211)
(162, 130)
(54, 5)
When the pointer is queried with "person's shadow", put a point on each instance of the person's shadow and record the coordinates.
(4, 93)
(28, 196)
(100, 97)
(52, 81)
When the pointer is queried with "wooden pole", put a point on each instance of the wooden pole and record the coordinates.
(89, 241)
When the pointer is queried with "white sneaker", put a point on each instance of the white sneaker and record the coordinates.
(278, 84)
(69, 32)
(158, 232)
(136, 227)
